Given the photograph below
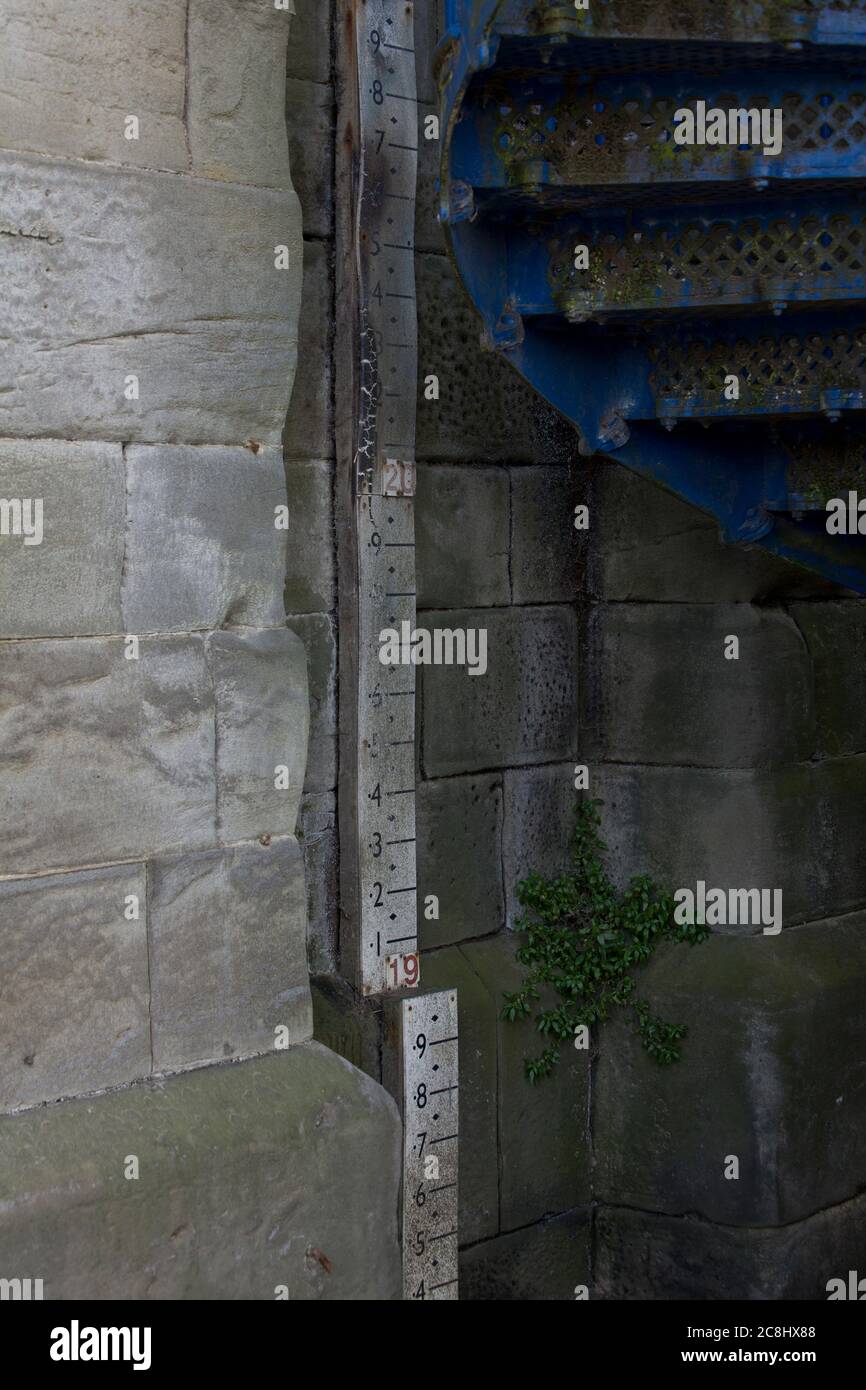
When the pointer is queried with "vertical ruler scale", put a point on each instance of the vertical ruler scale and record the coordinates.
(430, 1141)
(386, 749)
(376, 396)
(381, 906)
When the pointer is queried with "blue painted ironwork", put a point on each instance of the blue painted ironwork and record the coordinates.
(704, 261)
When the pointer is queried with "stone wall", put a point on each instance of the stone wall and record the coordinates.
(745, 773)
(159, 882)
(158, 717)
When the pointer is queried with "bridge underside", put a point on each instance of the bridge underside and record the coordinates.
(694, 308)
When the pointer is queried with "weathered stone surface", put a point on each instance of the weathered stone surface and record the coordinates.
(540, 1264)
(641, 1255)
(660, 690)
(786, 828)
(262, 724)
(202, 549)
(428, 229)
(316, 631)
(522, 710)
(546, 550)
(479, 1161)
(310, 121)
(72, 74)
(236, 56)
(538, 827)
(204, 81)
(484, 411)
(73, 984)
(544, 1147)
(835, 633)
(311, 564)
(775, 1021)
(317, 832)
(310, 47)
(70, 583)
(309, 429)
(193, 538)
(555, 443)
(429, 25)
(170, 279)
(102, 758)
(239, 1167)
(130, 744)
(838, 794)
(649, 544)
(462, 537)
(228, 957)
(347, 1024)
(460, 858)
(683, 824)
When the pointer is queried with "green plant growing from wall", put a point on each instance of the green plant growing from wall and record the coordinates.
(583, 938)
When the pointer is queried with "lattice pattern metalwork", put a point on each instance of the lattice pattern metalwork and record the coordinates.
(779, 22)
(588, 138)
(829, 121)
(807, 372)
(819, 468)
(730, 262)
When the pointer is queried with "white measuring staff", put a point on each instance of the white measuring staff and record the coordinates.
(386, 901)
(431, 1093)
(376, 399)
